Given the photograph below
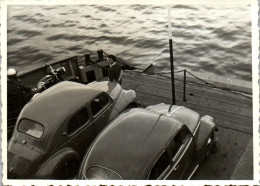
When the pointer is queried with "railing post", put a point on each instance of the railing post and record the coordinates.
(184, 85)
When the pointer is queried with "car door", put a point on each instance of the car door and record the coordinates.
(101, 108)
(78, 132)
(181, 150)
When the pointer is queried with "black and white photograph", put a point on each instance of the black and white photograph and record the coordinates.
(95, 93)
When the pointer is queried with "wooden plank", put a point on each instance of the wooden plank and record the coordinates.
(153, 81)
(235, 122)
(226, 120)
(243, 170)
(218, 81)
(229, 110)
(211, 94)
(146, 100)
(202, 99)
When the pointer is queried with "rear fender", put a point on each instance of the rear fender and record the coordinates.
(206, 129)
(55, 163)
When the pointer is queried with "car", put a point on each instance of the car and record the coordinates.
(158, 142)
(54, 130)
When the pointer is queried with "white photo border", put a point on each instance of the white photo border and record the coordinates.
(255, 80)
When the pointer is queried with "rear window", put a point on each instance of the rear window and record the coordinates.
(31, 128)
(101, 173)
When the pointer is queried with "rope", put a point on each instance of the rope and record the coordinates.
(176, 71)
(221, 88)
(206, 82)
(202, 79)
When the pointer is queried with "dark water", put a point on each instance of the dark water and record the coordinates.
(213, 40)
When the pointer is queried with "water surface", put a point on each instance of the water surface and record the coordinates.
(214, 40)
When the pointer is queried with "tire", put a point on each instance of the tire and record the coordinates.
(132, 105)
(64, 165)
(67, 170)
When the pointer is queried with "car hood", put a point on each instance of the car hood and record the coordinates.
(133, 140)
(186, 116)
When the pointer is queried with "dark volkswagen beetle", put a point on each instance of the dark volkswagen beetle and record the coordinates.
(55, 128)
(150, 143)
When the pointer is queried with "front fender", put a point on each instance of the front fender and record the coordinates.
(129, 95)
(125, 98)
(206, 129)
(54, 163)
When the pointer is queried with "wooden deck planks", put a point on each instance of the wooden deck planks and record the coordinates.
(154, 81)
(221, 165)
(243, 170)
(229, 110)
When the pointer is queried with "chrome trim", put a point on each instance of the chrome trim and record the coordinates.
(183, 152)
(84, 175)
(169, 114)
(161, 175)
(196, 129)
(194, 170)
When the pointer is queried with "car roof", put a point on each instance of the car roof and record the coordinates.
(131, 144)
(57, 103)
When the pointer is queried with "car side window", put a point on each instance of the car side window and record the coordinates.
(160, 166)
(100, 102)
(77, 120)
(184, 134)
(177, 141)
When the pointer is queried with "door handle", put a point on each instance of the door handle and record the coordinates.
(176, 167)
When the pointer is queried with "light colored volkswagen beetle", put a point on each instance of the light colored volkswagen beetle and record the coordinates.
(152, 143)
(54, 130)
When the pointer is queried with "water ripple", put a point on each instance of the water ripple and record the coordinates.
(185, 7)
(207, 38)
(28, 33)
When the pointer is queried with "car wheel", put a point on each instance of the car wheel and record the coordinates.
(68, 170)
(132, 105)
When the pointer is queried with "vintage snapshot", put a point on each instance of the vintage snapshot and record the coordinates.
(149, 92)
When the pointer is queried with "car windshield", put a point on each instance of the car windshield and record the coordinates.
(31, 128)
(101, 173)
